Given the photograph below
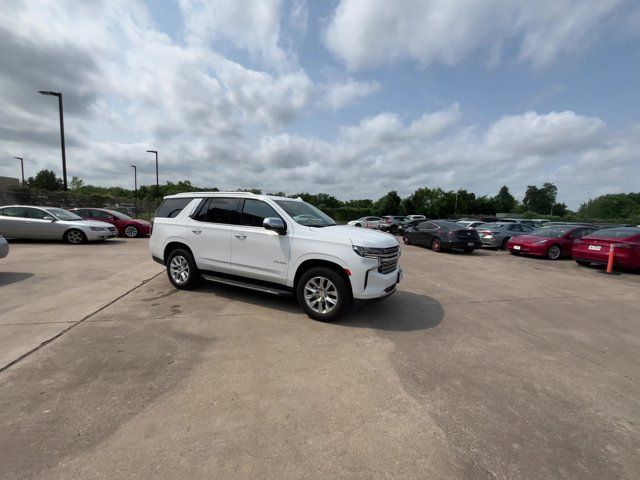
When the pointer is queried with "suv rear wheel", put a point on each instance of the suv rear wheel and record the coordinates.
(322, 293)
(182, 270)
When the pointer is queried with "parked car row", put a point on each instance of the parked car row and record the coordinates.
(584, 243)
(74, 227)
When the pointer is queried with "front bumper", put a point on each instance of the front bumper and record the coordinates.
(93, 236)
(490, 242)
(538, 250)
(376, 285)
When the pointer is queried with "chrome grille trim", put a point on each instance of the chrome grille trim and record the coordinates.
(387, 259)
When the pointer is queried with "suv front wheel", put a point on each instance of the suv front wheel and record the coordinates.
(182, 270)
(322, 293)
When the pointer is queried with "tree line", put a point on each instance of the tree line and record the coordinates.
(538, 201)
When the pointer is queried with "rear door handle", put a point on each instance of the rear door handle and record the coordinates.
(197, 232)
(239, 235)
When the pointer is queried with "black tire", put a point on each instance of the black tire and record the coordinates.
(406, 240)
(393, 229)
(180, 262)
(584, 263)
(504, 243)
(336, 289)
(554, 252)
(358, 225)
(468, 250)
(75, 236)
(436, 245)
(131, 231)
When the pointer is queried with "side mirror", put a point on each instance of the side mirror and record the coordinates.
(276, 224)
(51, 219)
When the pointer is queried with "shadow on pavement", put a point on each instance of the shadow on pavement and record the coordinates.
(403, 311)
(7, 278)
(23, 241)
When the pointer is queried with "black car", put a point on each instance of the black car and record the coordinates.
(404, 226)
(442, 235)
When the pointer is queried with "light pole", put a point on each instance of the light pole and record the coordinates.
(64, 156)
(21, 167)
(455, 208)
(135, 191)
(157, 183)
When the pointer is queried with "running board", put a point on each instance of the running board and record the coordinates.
(250, 286)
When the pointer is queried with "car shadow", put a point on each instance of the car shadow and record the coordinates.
(7, 278)
(25, 241)
(403, 311)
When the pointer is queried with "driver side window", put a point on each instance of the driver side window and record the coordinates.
(255, 211)
(37, 214)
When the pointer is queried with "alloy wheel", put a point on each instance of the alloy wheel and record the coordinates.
(75, 237)
(554, 252)
(131, 231)
(321, 295)
(179, 269)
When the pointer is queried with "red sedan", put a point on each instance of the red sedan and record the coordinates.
(127, 226)
(552, 242)
(594, 248)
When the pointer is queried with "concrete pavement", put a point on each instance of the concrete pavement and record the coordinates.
(481, 366)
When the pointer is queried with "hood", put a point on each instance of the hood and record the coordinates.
(529, 239)
(86, 223)
(362, 237)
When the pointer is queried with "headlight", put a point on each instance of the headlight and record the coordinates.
(97, 229)
(369, 251)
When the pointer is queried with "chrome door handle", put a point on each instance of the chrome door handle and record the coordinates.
(197, 232)
(239, 235)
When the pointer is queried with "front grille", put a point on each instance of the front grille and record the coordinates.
(388, 258)
(112, 229)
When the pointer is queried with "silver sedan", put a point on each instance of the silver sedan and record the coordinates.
(49, 223)
(498, 234)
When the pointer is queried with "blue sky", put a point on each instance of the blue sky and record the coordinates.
(350, 97)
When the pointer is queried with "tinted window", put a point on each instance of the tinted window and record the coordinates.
(171, 207)
(36, 213)
(448, 225)
(427, 226)
(219, 210)
(255, 211)
(83, 213)
(13, 212)
(100, 214)
(616, 233)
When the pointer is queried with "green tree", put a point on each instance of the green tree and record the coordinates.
(45, 180)
(76, 183)
(504, 201)
(390, 204)
(540, 200)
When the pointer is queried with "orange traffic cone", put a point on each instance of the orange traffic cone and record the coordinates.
(609, 271)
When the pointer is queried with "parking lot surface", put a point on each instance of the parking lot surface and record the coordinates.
(480, 366)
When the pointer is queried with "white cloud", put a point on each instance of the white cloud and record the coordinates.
(368, 33)
(341, 94)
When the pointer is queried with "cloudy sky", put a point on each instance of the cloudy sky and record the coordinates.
(350, 97)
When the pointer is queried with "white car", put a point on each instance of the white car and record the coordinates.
(49, 223)
(366, 222)
(272, 244)
(470, 223)
(410, 218)
(4, 247)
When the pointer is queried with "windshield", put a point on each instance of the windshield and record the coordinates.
(61, 214)
(558, 231)
(305, 214)
(119, 215)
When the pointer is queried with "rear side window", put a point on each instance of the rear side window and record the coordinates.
(13, 212)
(255, 211)
(219, 210)
(171, 207)
(83, 213)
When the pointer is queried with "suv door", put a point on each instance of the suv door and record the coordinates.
(209, 232)
(257, 252)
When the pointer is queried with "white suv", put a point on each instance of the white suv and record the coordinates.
(277, 245)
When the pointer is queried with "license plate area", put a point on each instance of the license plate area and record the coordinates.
(516, 247)
(597, 248)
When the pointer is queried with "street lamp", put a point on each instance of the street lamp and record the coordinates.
(157, 183)
(135, 190)
(64, 156)
(21, 167)
(455, 208)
